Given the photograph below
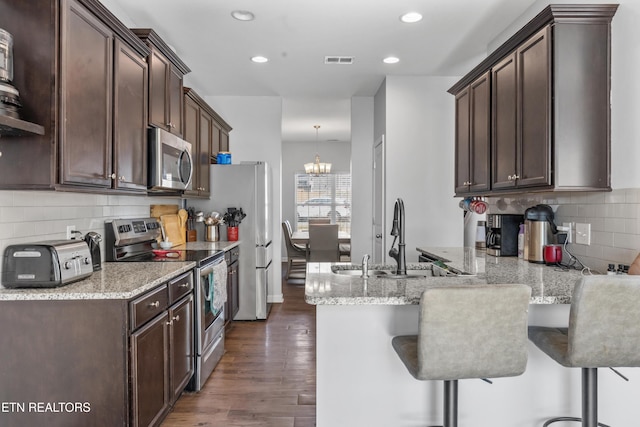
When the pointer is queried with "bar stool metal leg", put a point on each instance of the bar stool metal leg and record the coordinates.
(589, 401)
(451, 403)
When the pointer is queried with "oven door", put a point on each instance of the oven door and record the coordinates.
(205, 300)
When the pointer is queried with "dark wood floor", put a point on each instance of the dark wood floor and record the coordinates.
(267, 376)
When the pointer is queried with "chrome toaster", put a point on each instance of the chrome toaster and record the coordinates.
(46, 264)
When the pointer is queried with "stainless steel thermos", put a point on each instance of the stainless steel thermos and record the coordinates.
(538, 232)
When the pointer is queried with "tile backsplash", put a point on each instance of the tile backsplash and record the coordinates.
(614, 217)
(29, 216)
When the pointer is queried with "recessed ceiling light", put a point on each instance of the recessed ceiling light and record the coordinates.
(260, 59)
(243, 15)
(411, 17)
(391, 60)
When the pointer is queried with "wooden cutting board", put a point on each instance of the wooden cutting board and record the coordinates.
(171, 224)
(156, 211)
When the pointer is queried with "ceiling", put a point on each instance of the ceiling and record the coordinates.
(296, 35)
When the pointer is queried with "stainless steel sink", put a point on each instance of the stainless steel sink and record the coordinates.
(385, 274)
(390, 273)
(359, 272)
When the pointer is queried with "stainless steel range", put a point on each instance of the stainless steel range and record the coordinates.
(135, 240)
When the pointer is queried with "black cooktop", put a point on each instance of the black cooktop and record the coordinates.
(200, 257)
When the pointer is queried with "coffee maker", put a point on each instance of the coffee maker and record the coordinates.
(539, 229)
(502, 234)
(9, 95)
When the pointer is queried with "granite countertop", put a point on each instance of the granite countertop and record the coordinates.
(116, 280)
(550, 285)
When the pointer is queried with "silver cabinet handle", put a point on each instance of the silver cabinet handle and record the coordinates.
(176, 318)
(183, 285)
(155, 304)
(112, 176)
(516, 177)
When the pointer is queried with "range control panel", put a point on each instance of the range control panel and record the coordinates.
(122, 232)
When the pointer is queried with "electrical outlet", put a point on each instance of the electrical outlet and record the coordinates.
(70, 232)
(583, 234)
(569, 230)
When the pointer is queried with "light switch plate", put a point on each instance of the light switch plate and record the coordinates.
(583, 234)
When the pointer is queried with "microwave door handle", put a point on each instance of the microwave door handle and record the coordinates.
(180, 161)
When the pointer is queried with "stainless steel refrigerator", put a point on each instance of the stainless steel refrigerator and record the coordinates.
(248, 186)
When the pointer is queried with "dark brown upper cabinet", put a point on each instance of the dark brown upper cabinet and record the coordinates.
(521, 111)
(82, 75)
(550, 119)
(166, 72)
(203, 128)
(473, 136)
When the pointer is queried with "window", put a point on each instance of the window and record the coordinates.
(323, 196)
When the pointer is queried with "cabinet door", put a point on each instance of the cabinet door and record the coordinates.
(462, 142)
(150, 372)
(191, 129)
(203, 154)
(234, 295)
(215, 139)
(181, 344)
(159, 70)
(504, 112)
(174, 101)
(224, 140)
(130, 119)
(534, 94)
(86, 96)
(480, 133)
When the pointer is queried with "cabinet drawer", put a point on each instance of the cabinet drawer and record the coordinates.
(180, 286)
(148, 306)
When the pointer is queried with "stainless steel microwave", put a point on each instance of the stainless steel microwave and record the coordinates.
(170, 161)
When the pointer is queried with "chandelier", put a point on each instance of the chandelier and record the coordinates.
(316, 167)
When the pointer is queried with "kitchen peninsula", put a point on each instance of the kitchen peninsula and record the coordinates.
(361, 380)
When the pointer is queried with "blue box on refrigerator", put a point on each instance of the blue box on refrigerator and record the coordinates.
(224, 158)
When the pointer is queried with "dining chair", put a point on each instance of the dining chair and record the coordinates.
(290, 229)
(345, 252)
(323, 243)
(296, 256)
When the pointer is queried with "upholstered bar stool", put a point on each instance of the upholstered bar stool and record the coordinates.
(604, 331)
(472, 331)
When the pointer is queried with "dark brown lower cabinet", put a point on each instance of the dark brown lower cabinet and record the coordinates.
(181, 349)
(96, 362)
(233, 297)
(150, 372)
(162, 351)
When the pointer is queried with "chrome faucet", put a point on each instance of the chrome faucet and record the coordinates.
(397, 230)
(365, 266)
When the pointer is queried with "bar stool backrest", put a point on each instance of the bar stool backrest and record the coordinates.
(473, 331)
(604, 323)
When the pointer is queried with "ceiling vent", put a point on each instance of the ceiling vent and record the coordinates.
(344, 60)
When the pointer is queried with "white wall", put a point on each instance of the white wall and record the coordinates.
(419, 130)
(256, 135)
(362, 141)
